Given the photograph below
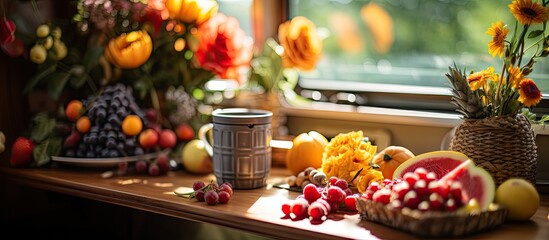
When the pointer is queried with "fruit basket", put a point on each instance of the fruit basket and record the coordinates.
(430, 224)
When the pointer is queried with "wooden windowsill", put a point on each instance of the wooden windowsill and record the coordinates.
(255, 211)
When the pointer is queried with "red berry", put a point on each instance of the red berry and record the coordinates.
(411, 199)
(198, 185)
(368, 195)
(154, 170)
(310, 192)
(421, 187)
(299, 209)
(211, 197)
(226, 188)
(287, 208)
(348, 192)
(335, 194)
(350, 202)
(411, 178)
(317, 211)
(436, 201)
(374, 186)
(423, 206)
(421, 173)
(72, 140)
(450, 205)
(399, 190)
(342, 183)
(456, 191)
(224, 197)
(162, 162)
(21, 152)
(141, 166)
(431, 176)
(333, 180)
(199, 195)
(382, 196)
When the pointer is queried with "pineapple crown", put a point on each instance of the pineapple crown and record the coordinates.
(467, 101)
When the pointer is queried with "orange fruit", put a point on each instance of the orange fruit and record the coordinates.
(132, 125)
(74, 109)
(83, 124)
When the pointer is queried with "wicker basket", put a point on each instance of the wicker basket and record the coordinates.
(430, 224)
(504, 146)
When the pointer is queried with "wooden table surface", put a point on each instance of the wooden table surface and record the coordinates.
(256, 211)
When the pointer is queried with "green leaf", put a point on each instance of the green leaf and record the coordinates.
(57, 83)
(43, 126)
(40, 154)
(91, 58)
(55, 146)
(77, 82)
(534, 34)
(45, 71)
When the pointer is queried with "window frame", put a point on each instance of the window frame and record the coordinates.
(390, 96)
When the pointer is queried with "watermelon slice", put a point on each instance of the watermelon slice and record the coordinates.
(439, 162)
(476, 182)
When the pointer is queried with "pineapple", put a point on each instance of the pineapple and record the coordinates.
(467, 102)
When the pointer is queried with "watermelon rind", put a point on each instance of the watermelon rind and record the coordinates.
(440, 162)
(483, 191)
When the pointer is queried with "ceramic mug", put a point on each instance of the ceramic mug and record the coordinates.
(240, 146)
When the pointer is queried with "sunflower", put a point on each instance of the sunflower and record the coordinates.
(498, 32)
(479, 79)
(529, 93)
(528, 12)
(515, 76)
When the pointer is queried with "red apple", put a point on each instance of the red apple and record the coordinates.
(185, 132)
(167, 138)
(148, 138)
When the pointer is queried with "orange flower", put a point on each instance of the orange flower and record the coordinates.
(223, 47)
(479, 79)
(528, 12)
(192, 11)
(498, 32)
(515, 76)
(529, 93)
(129, 50)
(301, 43)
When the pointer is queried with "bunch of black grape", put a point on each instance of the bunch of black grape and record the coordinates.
(105, 138)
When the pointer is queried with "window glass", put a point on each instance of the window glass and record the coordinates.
(405, 42)
(239, 9)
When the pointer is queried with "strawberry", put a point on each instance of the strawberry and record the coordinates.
(21, 152)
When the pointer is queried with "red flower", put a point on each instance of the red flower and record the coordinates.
(223, 47)
(7, 31)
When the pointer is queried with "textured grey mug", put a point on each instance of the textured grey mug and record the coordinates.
(241, 146)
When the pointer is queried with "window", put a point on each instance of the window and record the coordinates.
(393, 53)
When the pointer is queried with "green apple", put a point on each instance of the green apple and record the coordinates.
(195, 159)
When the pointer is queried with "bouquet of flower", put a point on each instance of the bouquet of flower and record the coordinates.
(147, 44)
(490, 93)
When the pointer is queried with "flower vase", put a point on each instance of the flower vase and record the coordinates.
(504, 146)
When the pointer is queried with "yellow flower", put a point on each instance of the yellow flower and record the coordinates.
(529, 93)
(347, 153)
(479, 79)
(192, 11)
(515, 76)
(528, 12)
(302, 45)
(498, 32)
(129, 50)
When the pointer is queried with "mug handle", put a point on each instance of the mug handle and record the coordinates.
(202, 136)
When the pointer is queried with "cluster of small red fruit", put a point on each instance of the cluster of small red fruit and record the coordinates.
(417, 190)
(212, 193)
(317, 202)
